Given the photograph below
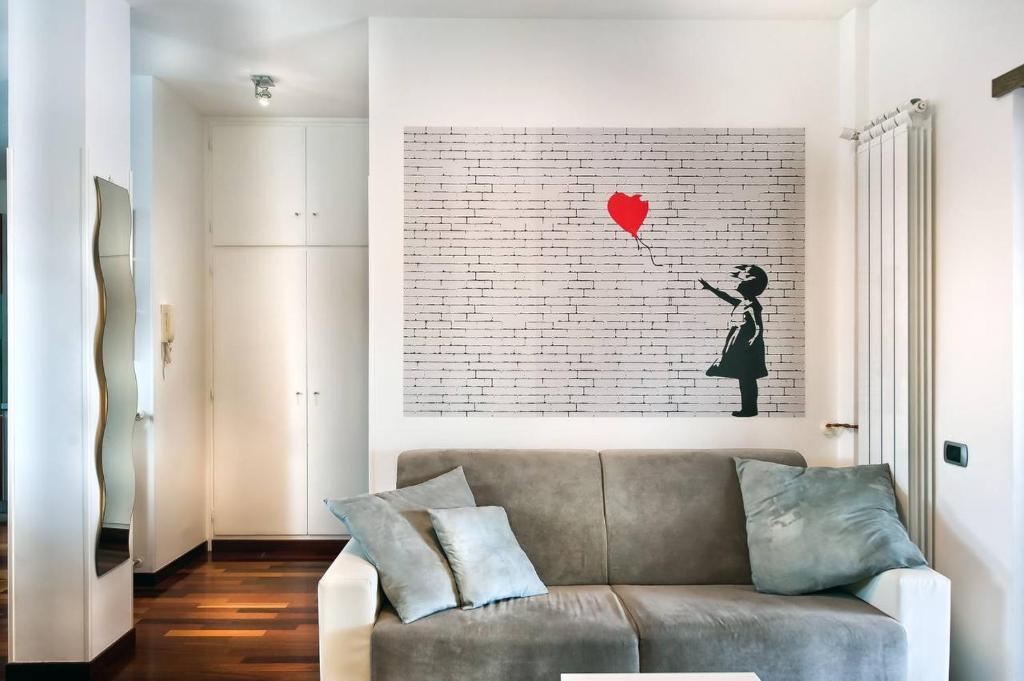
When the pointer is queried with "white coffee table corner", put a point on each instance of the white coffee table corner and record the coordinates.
(662, 677)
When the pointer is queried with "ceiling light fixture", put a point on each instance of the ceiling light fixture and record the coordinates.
(262, 85)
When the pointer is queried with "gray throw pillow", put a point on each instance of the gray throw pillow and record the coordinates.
(810, 529)
(394, 532)
(483, 552)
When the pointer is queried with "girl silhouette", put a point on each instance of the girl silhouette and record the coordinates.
(743, 353)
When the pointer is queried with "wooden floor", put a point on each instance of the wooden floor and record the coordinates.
(224, 620)
(218, 621)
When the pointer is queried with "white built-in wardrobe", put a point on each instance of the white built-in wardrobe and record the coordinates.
(287, 204)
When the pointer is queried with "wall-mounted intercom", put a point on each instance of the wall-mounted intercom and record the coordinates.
(166, 334)
(955, 453)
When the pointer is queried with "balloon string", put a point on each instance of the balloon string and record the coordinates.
(640, 241)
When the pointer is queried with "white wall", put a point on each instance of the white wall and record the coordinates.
(852, 103)
(602, 73)
(1017, 597)
(48, 561)
(179, 279)
(948, 51)
(107, 150)
(1017, 606)
(60, 135)
(167, 159)
(146, 350)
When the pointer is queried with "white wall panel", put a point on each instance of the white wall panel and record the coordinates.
(267, 343)
(337, 337)
(258, 185)
(167, 165)
(259, 391)
(336, 177)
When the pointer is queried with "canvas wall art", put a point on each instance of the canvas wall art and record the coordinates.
(604, 272)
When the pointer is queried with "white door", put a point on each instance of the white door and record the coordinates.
(259, 391)
(337, 168)
(258, 185)
(338, 381)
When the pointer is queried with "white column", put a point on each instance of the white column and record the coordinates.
(69, 113)
(852, 96)
(1016, 628)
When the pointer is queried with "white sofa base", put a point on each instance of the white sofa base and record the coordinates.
(919, 599)
(348, 601)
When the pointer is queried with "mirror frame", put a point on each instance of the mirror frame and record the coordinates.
(101, 378)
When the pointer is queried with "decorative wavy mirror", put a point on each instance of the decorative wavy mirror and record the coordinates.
(115, 370)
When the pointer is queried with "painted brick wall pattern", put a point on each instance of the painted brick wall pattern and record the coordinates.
(523, 297)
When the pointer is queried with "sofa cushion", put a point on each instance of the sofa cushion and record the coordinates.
(394, 532)
(487, 561)
(553, 498)
(733, 628)
(676, 516)
(810, 529)
(571, 629)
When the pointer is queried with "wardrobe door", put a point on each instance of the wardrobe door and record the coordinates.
(338, 415)
(336, 171)
(259, 391)
(258, 185)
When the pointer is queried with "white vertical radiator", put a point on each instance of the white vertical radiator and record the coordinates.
(894, 307)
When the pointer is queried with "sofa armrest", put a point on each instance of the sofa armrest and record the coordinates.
(917, 598)
(348, 600)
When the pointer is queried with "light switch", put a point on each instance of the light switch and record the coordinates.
(955, 453)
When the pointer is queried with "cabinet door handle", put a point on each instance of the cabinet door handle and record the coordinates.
(297, 213)
(316, 397)
(316, 214)
(298, 397)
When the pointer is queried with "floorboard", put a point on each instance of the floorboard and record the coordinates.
(217, 620)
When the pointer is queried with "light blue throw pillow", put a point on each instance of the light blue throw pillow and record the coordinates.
(810, 529)
(394, 532)
(483, 552)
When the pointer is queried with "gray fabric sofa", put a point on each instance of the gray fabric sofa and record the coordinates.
(645, 555)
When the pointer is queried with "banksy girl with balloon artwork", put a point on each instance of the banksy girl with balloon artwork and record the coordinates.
(614, 271)
(743, 350)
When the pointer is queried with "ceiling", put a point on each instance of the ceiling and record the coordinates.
(317, 49)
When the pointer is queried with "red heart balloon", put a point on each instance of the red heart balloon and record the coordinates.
(628, 211)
